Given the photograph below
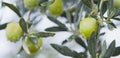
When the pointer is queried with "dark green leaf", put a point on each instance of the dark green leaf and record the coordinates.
(78, 9)
(110, 6)
(110, 50)
(117, 19)
(111, 26)
(64, 42)
(80, 42)
(96, 1)
(69, 39)
(11, 6)
(44, 34)
(81, 55)
(56, 29)
(92, 45)
(101, 34)
(23, 25)
(21, 49)
(111, 14)
(3, 26)
(34, 39)
(103, 7)
(116, 52)
(69, 16)
(104, 48)
(87, 3)
(57, 22)
(117, 13)
(29, 24)
(64, 50)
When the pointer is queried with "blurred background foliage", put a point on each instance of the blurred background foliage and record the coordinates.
(66, 39)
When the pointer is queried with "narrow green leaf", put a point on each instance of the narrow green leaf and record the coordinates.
(3, 26)
(57, 22)
(87, 3)
(110, 6)
(104, 48)
(81, 55)
(23, 25)
(118, 19)
(69, 39)
(103, 7)
(111, 14)
(117, 13)
(111, 25)
(78, 9)
(110, 50)
(64, 42)
(64, 50)
(21, 49)
(34, 40)
(56, 29)
(92, 45)
(80, 42)
(44, 34)
(101, 34)
(12, 7)
(96, 1)
(116, 52)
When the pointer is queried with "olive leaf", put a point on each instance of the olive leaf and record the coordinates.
(111, 25)
(56, 29)
(110, 50)
(111, 14)
(81, 55)
(57, 22)
(34, 40)
(21, 49)
(92, 45)
(104, 48)
(80, 42)
(87, 3)
(12, 7)
(116, 52)
(64, 50)
(110, 6)
(117, 13)
(43, 34)
(118, 19)
(23, 25)
(3, 26)
(103, 7)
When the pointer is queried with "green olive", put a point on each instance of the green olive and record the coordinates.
(56, 8)
(30, 47)
(31, 4)
(116, 3)
(13, 31)
(88, 26)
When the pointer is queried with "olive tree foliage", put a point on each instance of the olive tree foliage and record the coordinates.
(78, 10)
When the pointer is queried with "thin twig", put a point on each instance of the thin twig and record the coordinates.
(92, 2)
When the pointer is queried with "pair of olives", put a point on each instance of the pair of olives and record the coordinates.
(55, 9)
(14, 32)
